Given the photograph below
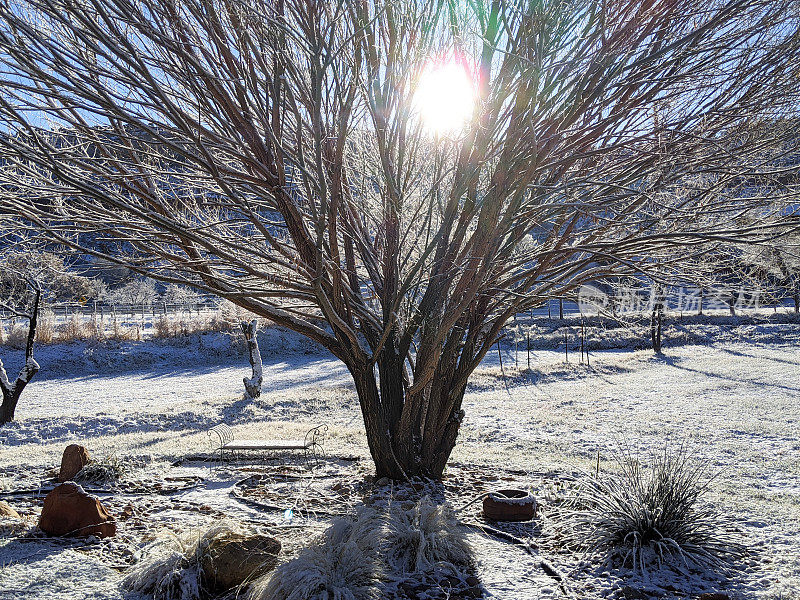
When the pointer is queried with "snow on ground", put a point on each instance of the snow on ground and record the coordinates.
(734, 404)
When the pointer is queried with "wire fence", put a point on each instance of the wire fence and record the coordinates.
(94, 309)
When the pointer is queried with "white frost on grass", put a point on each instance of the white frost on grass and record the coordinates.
(736, 403)
(45, 569)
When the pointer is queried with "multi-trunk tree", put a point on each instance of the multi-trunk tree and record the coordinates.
(276, 153)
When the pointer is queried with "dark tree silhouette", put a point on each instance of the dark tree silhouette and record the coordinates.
(271, 152)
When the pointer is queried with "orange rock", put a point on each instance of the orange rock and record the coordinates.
(74, 459)
(68, 510)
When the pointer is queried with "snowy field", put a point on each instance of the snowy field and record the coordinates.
(736, 405)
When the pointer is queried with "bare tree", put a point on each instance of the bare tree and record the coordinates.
(252, 385)
(26, 306)
(139, 292)
(775, 267)
(180, 295)
(272, 152)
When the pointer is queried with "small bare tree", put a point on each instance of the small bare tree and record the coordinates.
(252, 385)
(140, 292)
(272, 152)
(25, 306)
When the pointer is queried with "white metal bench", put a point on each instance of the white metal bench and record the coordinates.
(312, 444)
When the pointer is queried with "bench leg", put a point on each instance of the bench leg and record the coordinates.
(314, 452)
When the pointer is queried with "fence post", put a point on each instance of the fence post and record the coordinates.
(528, 344)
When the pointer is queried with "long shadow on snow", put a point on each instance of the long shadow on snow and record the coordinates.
(675, 362)
(272, 382)
(784, 361)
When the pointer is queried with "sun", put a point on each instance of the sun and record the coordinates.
(445, 97)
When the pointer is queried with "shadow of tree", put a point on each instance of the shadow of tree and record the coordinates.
(401, 542)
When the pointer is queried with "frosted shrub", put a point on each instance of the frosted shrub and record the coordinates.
(164, 327)
(94, 329)
(106, 471)
(170, 566)
(231, 313)
(218, 323)
(121, 333)
(357, 557)
(17, 336)
(645, 514)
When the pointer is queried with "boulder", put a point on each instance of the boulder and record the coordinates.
(68, 510)
(233, 560)
(8, 512)
(74, 459)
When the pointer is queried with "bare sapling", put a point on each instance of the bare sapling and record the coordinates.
(13, 391)
(252, 386)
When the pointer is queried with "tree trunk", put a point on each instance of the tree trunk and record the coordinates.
(10, 399)
(411, 431)
(252, 386)
(12, 392)
(796, 299)
(655, 326)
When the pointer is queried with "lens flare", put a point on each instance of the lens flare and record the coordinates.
(445, 97)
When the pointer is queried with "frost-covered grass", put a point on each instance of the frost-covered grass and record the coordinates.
(735, 403)
(170, 567)
(342, 564)
(651, 510)
(107, 470)
(359, 557)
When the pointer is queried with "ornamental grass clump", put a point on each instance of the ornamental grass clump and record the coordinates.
(365, 556)
(425, 538)
(343, 564)
(170, 567)
(105, 471)
(655, 513)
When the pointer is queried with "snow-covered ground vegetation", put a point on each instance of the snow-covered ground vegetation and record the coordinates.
(651, 511)
(373, 552)
(732, 403)
(170, 567)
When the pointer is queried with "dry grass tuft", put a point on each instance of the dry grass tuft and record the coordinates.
(425, 537)
(73, 329)
(17, 336)
(358, 557)
(169, 568)
(643, 515)
(105, 471)
(164, 327)
(342, 564)
(95, 329)
(46, 328)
